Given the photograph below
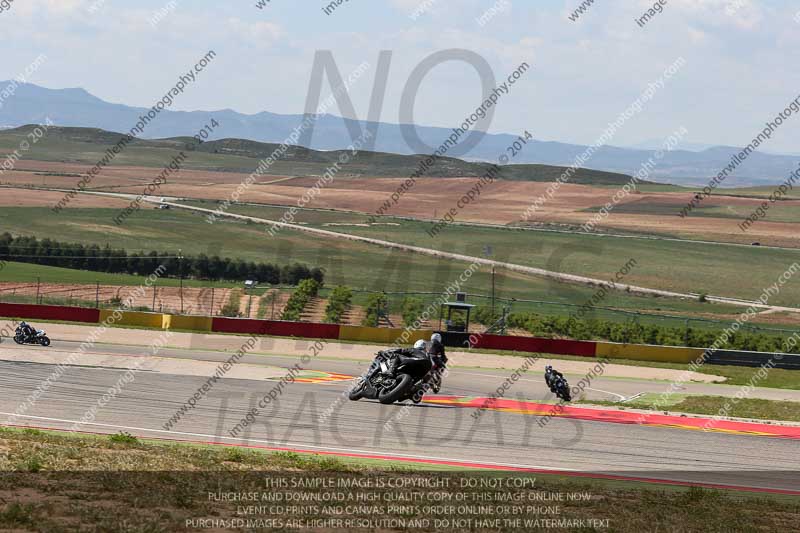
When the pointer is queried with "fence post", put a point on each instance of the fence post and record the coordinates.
(155, 289)
(38, 286)
(97, 295)
(211, 312)
(686, 334)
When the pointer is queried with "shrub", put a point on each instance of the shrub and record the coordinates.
(338, 304)
(306, 289)
(376, 303)
(123, 438)
(411, 308)
(231, 308)
(483, 315)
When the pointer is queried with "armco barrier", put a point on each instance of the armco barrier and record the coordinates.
(638, 352)
(754, 359)
(50, 312)
(381, 335)
(133, 318)
(192, 323)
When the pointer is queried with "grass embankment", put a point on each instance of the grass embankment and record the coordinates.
(61, 481)
(715, 406)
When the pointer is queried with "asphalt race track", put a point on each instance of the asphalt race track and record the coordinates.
(315, 416)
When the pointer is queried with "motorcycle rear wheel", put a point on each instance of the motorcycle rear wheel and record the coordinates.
(563, 393)
(18, 339)
(395, 393)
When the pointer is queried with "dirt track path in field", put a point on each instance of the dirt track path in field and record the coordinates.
(558, 276)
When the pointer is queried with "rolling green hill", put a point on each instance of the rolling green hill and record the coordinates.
(88, 145)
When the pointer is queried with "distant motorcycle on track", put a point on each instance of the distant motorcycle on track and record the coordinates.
(557, 383)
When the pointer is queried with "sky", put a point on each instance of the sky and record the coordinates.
(740, 67)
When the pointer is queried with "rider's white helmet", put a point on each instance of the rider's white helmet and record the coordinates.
(419, 345)
(436, 338)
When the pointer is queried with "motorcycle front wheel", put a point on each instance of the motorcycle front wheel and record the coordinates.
(397, 391)
(44, 341)
(357, 392)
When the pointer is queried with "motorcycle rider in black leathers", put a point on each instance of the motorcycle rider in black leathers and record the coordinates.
(551, 376)
(417, 352)
(27, 331)
(436, 351)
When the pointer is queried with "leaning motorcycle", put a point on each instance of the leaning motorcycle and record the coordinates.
(560, 388)
(435, 378)
(39, 337)
(393, 376)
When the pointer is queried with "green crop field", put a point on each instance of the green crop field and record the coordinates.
(723, 270)
(361, 266)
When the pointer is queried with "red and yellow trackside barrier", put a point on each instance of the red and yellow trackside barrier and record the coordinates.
(192, 323)
(384, 336)
(50, 312)
(277, 328)
(639, 352)
(132, 318)
(381, 335)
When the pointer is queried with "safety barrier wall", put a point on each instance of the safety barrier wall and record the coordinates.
(754, 359)
(50, 312)
(637, 352)
(192, 323)
(275, 327)
(381, 335)
(132, 318)
(535, 344)
(672, 354)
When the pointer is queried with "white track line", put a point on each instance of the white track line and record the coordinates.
(286, 444)
(346, 450)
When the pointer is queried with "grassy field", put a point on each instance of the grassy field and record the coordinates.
(121, 483)
(670, 265)
(47, 274)
(778, 212)
(360, 266)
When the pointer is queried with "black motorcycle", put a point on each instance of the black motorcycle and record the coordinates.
(436, 375)
(559, 386)
(393, 376)
(38, 337)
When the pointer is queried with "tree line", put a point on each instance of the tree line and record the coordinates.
(118, 261)
(634, 332)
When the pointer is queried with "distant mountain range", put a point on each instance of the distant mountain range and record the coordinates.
(76, 107)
